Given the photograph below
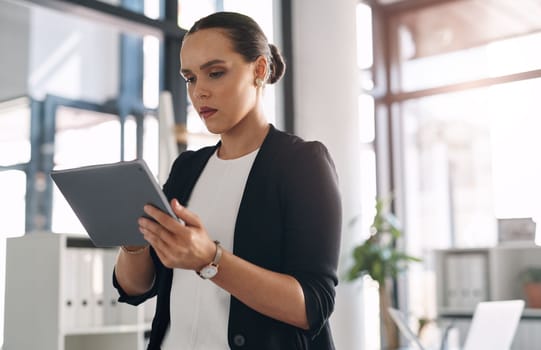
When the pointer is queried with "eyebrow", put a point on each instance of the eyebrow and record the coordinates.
(204, 65)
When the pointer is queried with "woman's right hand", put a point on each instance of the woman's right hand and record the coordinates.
(179, 244)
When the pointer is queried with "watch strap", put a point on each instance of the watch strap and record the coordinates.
(214, 263)
(218, 255)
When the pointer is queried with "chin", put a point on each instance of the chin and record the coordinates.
(214, 129)
(219, 127)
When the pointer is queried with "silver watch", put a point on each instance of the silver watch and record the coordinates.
(211, 269)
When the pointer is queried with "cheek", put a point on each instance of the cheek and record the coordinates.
(239, 95)
(244, 99)
(246, 90)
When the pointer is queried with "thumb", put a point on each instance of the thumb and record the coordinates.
(183, 213)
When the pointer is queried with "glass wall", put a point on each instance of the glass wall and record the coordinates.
(61, 93)
(463, 105)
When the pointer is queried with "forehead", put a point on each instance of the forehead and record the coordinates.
(205, 45)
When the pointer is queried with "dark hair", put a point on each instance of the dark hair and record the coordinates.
(248, 39)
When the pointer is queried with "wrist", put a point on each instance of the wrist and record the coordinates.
(134, 250)
(211, 269)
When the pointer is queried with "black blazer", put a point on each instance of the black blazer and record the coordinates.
(289, 221)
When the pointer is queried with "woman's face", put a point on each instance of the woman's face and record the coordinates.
(220, 82)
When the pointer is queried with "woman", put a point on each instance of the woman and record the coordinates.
(259, 212)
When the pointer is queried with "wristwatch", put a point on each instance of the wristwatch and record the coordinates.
(211, 269)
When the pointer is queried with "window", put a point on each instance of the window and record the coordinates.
(366, 108)
(367, 132)
(14, 159)
(73, 69)
(463, 117)
(462, 41)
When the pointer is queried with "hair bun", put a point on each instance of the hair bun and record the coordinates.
(278, 65)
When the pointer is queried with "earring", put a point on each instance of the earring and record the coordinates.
(259, 82)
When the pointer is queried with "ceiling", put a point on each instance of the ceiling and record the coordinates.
(460, 24)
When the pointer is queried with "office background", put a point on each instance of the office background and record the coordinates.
(433, 101)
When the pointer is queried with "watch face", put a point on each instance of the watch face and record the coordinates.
(208, 271)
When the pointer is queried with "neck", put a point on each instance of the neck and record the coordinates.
(243, 138)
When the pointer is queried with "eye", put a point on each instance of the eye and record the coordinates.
(189, 80)
(216, 74)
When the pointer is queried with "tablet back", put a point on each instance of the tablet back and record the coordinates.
(109, 198)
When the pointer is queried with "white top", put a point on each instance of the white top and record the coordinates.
(199, 308)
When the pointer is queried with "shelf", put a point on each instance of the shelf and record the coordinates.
(492, 275)
(74, 275)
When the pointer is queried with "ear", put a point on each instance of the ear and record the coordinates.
(261, 67)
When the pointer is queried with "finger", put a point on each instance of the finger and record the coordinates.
(183, 213)
(151, 226)
(155, 237)
(150, 230)
(164, 219)
(156, 243)
(162, 242)
(156, 234)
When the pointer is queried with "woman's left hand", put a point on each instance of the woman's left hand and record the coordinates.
(178, 245)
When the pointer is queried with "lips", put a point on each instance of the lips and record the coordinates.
(206, 112)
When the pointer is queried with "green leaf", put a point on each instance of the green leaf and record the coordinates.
(378, 256)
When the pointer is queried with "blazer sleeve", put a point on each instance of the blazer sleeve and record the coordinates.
(137, 299)
(312, 222)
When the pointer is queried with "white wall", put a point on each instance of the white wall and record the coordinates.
(326, 91)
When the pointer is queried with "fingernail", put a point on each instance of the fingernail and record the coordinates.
(177, 203)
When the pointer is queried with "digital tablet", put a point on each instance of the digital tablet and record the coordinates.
(108, 199)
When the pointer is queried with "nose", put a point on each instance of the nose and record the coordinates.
(200, 92)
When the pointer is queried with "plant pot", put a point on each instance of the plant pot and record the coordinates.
(532, 292)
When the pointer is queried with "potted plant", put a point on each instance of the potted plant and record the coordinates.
(531, 284)
(379, 258)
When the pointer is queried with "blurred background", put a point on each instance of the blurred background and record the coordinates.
(434, 103)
